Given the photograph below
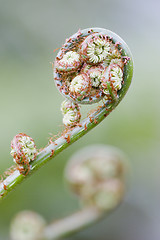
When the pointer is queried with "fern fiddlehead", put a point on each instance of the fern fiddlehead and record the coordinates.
(92, 65)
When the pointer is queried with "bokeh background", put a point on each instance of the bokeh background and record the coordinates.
(29, 102)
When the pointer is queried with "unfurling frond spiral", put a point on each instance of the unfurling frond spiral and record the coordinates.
(93, 64)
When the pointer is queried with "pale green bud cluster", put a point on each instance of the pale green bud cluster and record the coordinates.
(27, 225)
(70, 62)
(96, 175)
(97, 50)
(95, 76)
(70, 57)
(116, 77)
(90, 66)
(71, 113)
(23, 149)
(80, 86)
(25, 146)
(112, 75)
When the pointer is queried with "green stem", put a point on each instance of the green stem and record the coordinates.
(68, 138)
(57, 146)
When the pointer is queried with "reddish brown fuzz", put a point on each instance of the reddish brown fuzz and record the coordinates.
(52, 153)
(68, 138)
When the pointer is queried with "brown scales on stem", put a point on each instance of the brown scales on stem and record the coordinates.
(91, 119)
(95, 121)
(85, 126)
(68, 138)
(52, 153)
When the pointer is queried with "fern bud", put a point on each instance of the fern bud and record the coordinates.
(96, 175)
(70, 62)
(71, 118)
(84, 62)
(95, 48)
(71, 113)
(112, 76)
(23, 151)
(95, 74)
(68, 105)
(27, 225)
(80, 86)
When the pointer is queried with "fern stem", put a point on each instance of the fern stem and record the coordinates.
(49, 152)
(72, 224)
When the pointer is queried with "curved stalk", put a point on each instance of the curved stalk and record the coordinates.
(56, 147)
(72, 224)
(14, 177)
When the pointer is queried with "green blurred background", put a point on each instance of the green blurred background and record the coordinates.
(29, 102)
